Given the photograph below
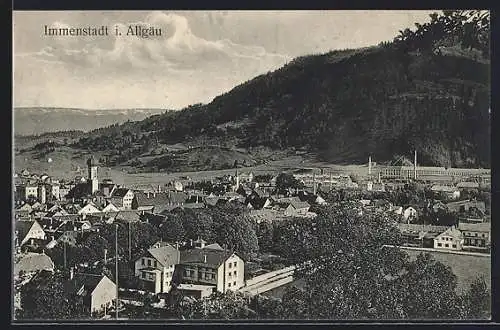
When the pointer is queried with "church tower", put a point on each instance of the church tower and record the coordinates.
(92, 174)
(237, 181)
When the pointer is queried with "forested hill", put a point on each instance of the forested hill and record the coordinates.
(427, 90)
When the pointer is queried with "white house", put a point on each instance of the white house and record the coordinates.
(156, 268)
(451, 239)
(213, 266)
(409, 213)
(90, 208)
(28, 231)
(98, 291)
(125, 196)
(110, 208)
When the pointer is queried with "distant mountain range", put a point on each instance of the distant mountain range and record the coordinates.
(39, 120)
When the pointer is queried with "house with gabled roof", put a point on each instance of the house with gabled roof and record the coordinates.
(161, 200)
(220, 268)
(125, 196)
(476, 235)
(110, 207)
(32, 263)
(446, 191)
(258, 203)
(98, 291)
(28, 232)
(465, 205)
(450, 239)
(26, 207)
(89, 208)
(155, 268)
(296, 208)
(410, 214)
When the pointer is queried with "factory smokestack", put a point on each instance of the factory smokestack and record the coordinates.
(369, 165)
(415, 166)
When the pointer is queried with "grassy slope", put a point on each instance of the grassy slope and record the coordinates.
(465, 267)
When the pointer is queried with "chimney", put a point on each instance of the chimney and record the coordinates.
(205, 258)
(71, 273)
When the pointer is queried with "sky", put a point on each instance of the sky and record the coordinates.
(200, 54)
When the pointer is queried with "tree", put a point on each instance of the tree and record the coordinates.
(477, 301)
(172, 230)
(237, 231)
(46, 297)
(197, 224)
(265, 236)
(286, 181)
(429, 289)
(351, 275)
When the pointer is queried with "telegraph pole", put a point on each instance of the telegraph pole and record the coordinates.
(129, 243)
(116, 269)
(64, 252)
(224, 270)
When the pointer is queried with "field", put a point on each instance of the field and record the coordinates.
(465, 267)
(68, 163)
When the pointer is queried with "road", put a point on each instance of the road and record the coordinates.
(270, 283)
(476, 254)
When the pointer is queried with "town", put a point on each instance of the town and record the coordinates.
(129, 252)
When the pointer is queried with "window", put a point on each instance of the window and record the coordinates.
(229, 284)
(454, 246)
(235, 264)
(482, 235)
(447, 245)
(149, 263)
(439, 244)
(156, 264)
(143, 262)
(234, 273)
(475, 234)
(230, 264)
(234, 283)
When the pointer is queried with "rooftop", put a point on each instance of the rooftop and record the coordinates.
(214, 257)
(32, 262)
(481, 227)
